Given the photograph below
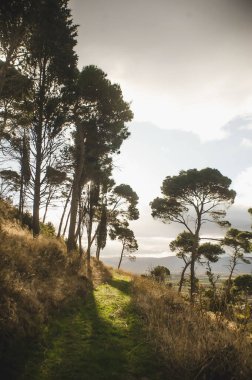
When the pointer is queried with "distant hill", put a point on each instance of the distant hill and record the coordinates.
(142, 264)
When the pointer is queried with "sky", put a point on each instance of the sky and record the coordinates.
(186, 68)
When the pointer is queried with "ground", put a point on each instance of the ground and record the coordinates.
(101, 338)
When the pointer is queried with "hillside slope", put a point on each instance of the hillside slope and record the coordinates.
(102, 337)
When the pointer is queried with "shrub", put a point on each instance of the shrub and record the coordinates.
(244, 283)
(47, 229)
(160, 273)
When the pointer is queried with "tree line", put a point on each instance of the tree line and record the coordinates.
(60, 128)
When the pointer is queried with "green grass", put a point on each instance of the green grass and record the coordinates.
(101, 337)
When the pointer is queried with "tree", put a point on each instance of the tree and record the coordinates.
(13, 113)
(17, 148)
(238, 244)
(244, 283)
(121, 232)
(160, 273)
(10, 182)
(99, 115)
(54, 178)
(102, 231)
(183, 246)
(123, 201)
(16, 19)
(191, 199)
(51, 65)
(119, 207)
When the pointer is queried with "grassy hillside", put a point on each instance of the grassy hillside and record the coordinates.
(37, 279)
(194, 343)
(101, 337)
(133, 328)
(55, 324)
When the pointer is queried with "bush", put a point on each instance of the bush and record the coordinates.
(47, 229)
(244, 283)
(160, 273)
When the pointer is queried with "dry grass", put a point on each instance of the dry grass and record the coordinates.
(36, 278)
(193, 345)
(99, 272)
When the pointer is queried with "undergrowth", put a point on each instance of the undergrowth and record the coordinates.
(100, 338)
(194, 345)
(37, 279)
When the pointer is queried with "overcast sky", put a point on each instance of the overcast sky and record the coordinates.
(186, 66)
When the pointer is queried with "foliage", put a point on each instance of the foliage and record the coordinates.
(99, 116)
(124, 194)
(122, 232)
(239, 244)
(160, 273)
(206, 188)
(244, 283)
(192, 198)
(47, 229)
(210, 251)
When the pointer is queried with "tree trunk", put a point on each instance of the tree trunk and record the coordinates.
(192, 279)
(120, 261)
(193, 261)
(98, 251)
(71, 241)
(21, 199)
(183, 276)
(89, 233)
(79, 165)
(229, 281)
(38, 144)
(36, 200)
(49, 198)
(64, 212)
(66, 224)
(79, 228)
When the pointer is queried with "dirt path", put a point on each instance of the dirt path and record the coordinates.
(100, 338)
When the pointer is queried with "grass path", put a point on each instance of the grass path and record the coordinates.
(101, 338)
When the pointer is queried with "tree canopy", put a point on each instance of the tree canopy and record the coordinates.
(193, 198)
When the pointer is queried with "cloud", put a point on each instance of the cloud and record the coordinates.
(246, 142)
(151, 153)
(243, 187)
(184, 64)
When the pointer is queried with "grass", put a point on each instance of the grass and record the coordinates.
(101, 337)
(192, 343)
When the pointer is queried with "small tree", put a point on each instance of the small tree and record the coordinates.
(244, 283)
(238, 243)
(120, 207)
(192, 198)
(121, 232)
(160, 273)
(183, 246)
